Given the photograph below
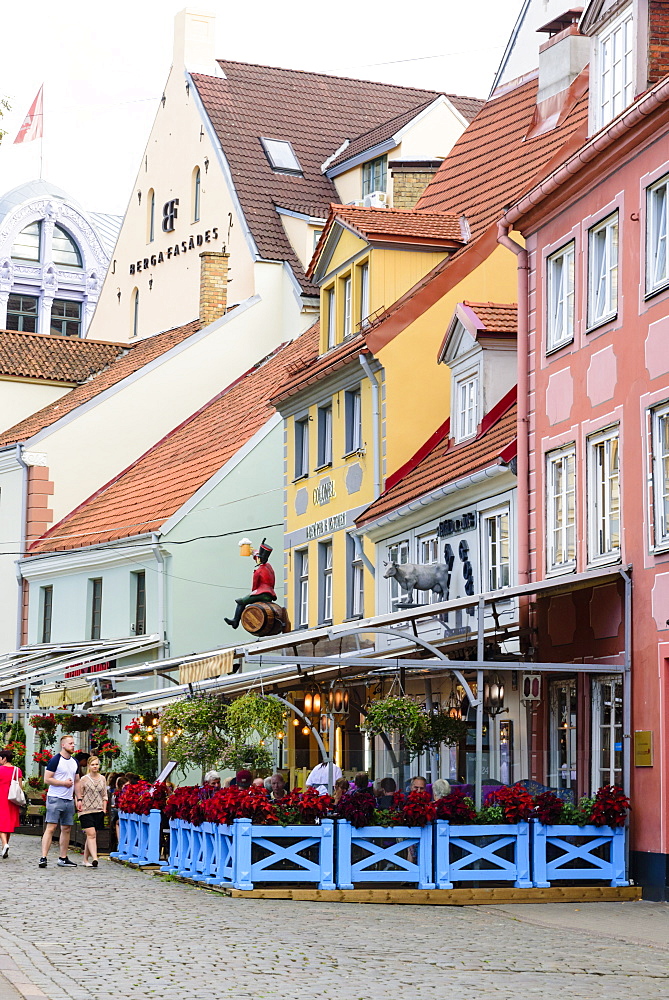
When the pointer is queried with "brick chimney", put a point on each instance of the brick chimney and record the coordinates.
(658, 40)
(213, 286)
(410, 178)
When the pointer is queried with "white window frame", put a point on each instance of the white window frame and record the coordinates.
(615, 68)
(353, 415)
(355, 600)
(325, 560)
(331, 318)
(324, 435)
(301, 447)
(560, 297)
(496, 551)
(364, 295)
(604, 508)
(466, 405)
(603, 243)
(660, 460)
(302, 587)
(427, 554)
(561, 509)
(563, 737)
(657, 235)
(613, 731)
(347, 301)
(397, 552)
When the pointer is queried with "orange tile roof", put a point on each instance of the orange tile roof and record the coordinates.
(136, 356)
(446, 463)
(496, 317)
(142, 497)
(313, 368)
(52, 358)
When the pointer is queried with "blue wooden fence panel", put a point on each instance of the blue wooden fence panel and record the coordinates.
(173, 858)
(383, 847)
(283, 861)
(139, 838)
(482, 862)
(573, 861)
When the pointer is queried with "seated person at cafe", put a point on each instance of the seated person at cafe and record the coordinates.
(212, 783)
(340, 790)
(440, 789)
(384, 791)
(319, 775)
(418, 784)
(278, 788)
(361, 782)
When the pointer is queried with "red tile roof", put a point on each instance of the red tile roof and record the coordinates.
(136, 356)
(52, 358)
(312, 368)
(496, 317)
(490, 166)
(445, 464)
(142, 497)
(315, 113)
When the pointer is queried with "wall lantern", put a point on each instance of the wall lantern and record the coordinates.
(245, 547)
(493, 695)
(308, 703)
(338, 699)
(454, 703)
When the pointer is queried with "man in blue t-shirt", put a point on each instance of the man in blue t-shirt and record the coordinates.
(63, 794)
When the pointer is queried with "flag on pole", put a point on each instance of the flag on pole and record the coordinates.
(32, 123)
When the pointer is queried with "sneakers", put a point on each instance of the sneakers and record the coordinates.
(64, 863)
(5, 851)
(42, 863)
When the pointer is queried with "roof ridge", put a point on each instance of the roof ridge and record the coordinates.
(335, 76)
(402, 114)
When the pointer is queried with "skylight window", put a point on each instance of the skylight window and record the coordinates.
(281, 156)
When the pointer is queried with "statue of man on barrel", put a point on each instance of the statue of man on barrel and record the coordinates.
(257, 612)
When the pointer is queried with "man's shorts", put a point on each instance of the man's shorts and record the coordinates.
(60, 811)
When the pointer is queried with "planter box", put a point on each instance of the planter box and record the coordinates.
(279, 854)
(139, 838)
(375, 854)
(486, 853)
(575, 853)
(203, 853)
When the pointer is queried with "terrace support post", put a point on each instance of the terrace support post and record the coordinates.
(478, 780)
(242, 842)
(331, 741)
(442, 855)
(153, 838)
(344, 855)
(401, 754)
(326, 855)
(434, 754)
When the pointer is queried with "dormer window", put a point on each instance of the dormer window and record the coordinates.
(281, 156)
(27, 245)
(374, 175)
(65, 250)
(615, 68)
(466, 398)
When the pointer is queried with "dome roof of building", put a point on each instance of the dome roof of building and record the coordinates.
(33, 189)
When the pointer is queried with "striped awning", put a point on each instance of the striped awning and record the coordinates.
(77, 693)
(203, 670)
(52, 698)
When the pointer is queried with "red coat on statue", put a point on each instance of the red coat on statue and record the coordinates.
(263, 580)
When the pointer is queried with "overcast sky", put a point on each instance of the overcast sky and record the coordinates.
(103, 66)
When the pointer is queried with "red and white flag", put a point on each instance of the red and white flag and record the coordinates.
(32, 123)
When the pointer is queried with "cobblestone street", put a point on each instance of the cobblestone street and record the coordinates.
(136, 934)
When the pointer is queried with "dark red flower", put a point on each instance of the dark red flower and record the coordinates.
(610, 807)
(548, 808)
(516, 802)
(456, 807)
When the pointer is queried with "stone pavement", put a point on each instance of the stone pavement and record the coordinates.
(110, 933)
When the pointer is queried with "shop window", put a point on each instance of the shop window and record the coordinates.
(66, 318)
(563, 735)
(497, 549)
(660, 451)
(607, 732)
(28, 244)
(374, 175)
(46, 613)
(657, 224)
(22, 313)
(325, 579)
(615, 68)
(353, 411)
(302, 587)
(560, 280)
(603, 497)
(561, 509)
(324, 435)
(301, 447)
(65, 251)
(603, 271)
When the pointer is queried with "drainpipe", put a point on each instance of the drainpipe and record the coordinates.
(22, 542)
(522, 493)
(160, 559)
(376, 417)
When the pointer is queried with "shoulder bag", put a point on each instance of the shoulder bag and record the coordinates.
(16, 795)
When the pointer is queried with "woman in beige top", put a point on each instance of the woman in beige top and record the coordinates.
(93, 808)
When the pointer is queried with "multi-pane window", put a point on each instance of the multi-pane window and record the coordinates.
(65, 250)
(353, 411)
(27, 245)
(426, 555)
(96, 608)
(364, 296)
(324, 435)
(603, 270)
(563, 734)
(657, 224)
(302, 588)
(561, 509)
(66, 318)
(497, 549)
(301, 447)
(560, 318)
(398, 553)
(47, 612)
(616, 68)
(140, 603)
(331, 317)
(22, 313)
(607, 732)
(374, 175)
(660, 445)
(603, 495)
(466, 407)
(348, 304)
(325, 561)
(356, 580)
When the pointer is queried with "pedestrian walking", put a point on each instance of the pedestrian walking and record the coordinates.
(92, 809)
(9, 811)
(64, 791)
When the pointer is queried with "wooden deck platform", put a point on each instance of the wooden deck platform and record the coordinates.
(449, 897)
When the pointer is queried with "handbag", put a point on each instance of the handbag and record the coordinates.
(16, 794)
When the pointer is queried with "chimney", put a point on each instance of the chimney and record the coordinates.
(410, 178)
(658, 41)
(563, 56)
(213, 286)
(194, 42)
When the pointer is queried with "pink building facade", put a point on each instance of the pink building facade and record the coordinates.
(594, 322)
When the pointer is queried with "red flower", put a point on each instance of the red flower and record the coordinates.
(456, 807)
(135, 798)
(515, 801)
(302, 807)
(357, 807)
(610, 808)
(548, 808)
(418, 809)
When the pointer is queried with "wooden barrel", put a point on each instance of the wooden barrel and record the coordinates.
(265, 618)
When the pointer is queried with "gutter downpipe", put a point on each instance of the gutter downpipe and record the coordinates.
(19, 580)
(522, 493)
(376, 416)
(160, 559)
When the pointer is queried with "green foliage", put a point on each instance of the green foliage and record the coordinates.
(579, 815)
(252, 756)
(437, 728)
(196, 730)
(4, 106)
(254, 713)
(394, 715)
(491, 814)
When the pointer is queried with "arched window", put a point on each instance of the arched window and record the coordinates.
(27, 243)
(196, 195)
(65, 250)
(135, 312)
(152, 216)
